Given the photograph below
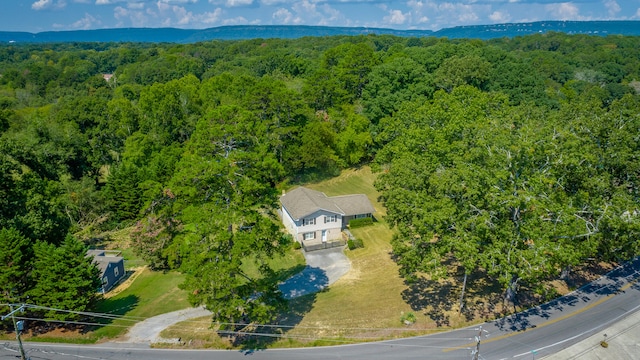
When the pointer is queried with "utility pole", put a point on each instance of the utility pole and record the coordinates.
(18, 326)
(475, 353)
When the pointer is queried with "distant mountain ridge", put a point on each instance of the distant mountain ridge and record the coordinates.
(173, 35)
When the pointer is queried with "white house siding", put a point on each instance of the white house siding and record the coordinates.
(289, 223)
(297, 229)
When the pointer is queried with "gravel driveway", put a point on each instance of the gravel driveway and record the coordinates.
(148, 331)
(324, 267)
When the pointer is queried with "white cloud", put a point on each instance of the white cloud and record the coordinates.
(231, 3)
(499, 17)
(178, 1)
(41, 4)
(109, 2)
(235, 3)
(305, 7)
(211, 17)
(133, 17)
(564, 11)
(271, 2)
(332, 13)
(183, 17)
(612, 7)
(284, 16)
(238, 21)
(87, 22)
(396, 17)
(48, 4)
(136, 6)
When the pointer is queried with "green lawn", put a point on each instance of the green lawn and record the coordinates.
(152, 293)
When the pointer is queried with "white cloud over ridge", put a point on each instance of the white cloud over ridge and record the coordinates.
(48, 4)
(396, 17)
(398, 14)
(564, 11)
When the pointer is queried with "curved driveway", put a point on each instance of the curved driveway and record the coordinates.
(324, 267)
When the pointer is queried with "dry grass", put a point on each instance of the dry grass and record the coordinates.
(368, 302)
(194, 333)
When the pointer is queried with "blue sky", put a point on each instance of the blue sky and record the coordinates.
(46, 15)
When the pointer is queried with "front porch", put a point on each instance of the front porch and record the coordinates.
(318, 244)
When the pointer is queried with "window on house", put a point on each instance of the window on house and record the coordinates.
(309, 236)
(331, 218)
(116, 272)
(104, 281)
(308, 221)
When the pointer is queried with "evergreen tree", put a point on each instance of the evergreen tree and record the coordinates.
(65, 278)
(15, 262)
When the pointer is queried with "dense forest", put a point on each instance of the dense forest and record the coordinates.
(516, 158)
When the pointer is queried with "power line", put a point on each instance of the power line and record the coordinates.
(137, 319)
(71, 322)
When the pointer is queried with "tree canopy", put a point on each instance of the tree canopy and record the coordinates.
(516, 158)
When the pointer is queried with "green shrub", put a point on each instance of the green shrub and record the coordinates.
(356, 223)
(296, 245)
(354, 244)
(408, 318)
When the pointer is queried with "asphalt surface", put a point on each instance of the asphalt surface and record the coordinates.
(622, 343)
(324, 267)
(148, 331)
(567, 322)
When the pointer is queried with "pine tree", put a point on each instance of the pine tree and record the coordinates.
(15, 262)
(65, 278)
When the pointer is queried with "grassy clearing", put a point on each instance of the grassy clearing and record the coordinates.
(285, 266)
(152, 293)
(196, 333)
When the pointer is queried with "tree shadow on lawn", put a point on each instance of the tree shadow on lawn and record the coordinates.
(116, 306)
(259, 337)
(299, 295)
(440, 299)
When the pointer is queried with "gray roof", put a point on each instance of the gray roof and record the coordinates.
(102, 260)
(354, 204)
(301, 202)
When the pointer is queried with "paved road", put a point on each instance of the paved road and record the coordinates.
(539, 332)
(623, 343)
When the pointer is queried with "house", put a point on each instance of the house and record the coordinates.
(111, 267)
(317, 221)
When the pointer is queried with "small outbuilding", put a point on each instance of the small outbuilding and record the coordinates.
(111, 266)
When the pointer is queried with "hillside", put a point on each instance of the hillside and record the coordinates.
(173, 35)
